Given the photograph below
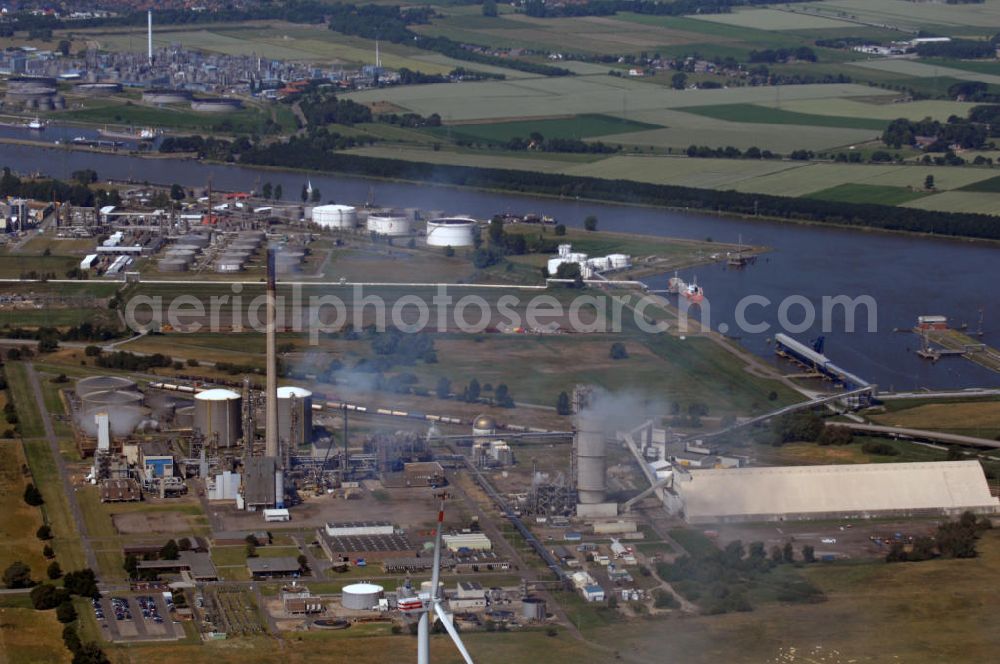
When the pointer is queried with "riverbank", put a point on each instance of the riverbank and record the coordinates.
(753, 217)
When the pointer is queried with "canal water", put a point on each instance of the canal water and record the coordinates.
(906, 276)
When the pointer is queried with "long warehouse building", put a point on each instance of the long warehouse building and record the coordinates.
(833, 492)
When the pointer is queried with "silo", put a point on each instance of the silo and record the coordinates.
(361, 596)
(388, 224)
(336, 217)
(218, 413)
(590, 462)
(302, 399)
(452, 232)
(533, 609)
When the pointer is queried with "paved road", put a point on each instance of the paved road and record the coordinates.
(68, 488)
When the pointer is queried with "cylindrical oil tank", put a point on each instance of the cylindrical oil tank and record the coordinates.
(388, 224)
(103, 384)
(216, 105)
(336, 217)
(533, 609)
(172, 265)
(452, 232)
(297, 400)
(235, 254)
(182, 254)
(361, 596)
(111, 399)
(185, 247)
(591, 462)
(197, 239)
(217, 413)
(165, 96)
(250, 245)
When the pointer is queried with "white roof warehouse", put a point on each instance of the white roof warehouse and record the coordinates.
(838, 491)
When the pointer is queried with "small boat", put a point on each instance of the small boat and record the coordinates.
(36, 125)
(694, 292)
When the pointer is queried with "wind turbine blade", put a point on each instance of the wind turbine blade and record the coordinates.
(453, 633)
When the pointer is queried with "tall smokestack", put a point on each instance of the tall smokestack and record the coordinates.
(591, 464)
(271, 413)
(149, 34)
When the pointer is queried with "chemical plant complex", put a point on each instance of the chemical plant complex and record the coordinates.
(471, 415)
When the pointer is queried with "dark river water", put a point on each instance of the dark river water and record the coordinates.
(904, 276)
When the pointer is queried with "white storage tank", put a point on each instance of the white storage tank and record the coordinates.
(218, 413)
(228, 265)
(388, 224)
(302, 399)
(361, 596)
(452, 232)
(336, 217)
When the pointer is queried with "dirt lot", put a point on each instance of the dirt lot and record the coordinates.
(160, 522)
(851, 539)
(410, 509)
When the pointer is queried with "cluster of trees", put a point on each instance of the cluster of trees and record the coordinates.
(962, 49)
(956, 131)
(730, 152)
(322, 107)
(410, 119)
(402, 348)
(953, 539)
(410, 77)
(773, 55)
(537, 141)
(85, 331)
(541, 9)
(473, 392)
(719, 581)
(131, 362)
(303, 154)
(802, 427)
(219, 149)
(314, 151)
(391, 23)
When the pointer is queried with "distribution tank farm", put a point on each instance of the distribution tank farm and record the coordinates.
(335, 217)
(361, 596)
(452, 232)
(217, 414)
(389, 224)
(591, 462)
(294, 403)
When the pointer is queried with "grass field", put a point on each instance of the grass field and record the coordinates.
(775, 19)
(903, 15)
(765, 115)
(867, 193)
(31, 637)
(876, 108)
(926, 70)
(19, 521)
(988, 186)
(247, 120)
(974, 418)
(578, 126)
(959, 201)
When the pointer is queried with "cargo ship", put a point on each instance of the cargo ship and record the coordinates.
(36, 125)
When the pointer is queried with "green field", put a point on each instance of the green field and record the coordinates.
(942, 18)
(990, 185)
(247, 120)
(867, 193)
(578, 126)
(765, 115)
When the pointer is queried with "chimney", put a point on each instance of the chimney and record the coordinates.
(149, 37)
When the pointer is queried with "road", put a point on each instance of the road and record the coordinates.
(919, 434)
(68, 488)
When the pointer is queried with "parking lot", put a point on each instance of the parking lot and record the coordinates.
(136, 617)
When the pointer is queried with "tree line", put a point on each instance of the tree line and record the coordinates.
(302, 154)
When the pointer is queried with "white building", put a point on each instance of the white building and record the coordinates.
(356, 528)
(470, 541)
(836, 491)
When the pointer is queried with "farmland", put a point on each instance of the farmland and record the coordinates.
(911, 16)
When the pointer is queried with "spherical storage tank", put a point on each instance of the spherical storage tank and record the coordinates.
(392, 225)
(336, 217)
(296, 400)
(217, 413)
(361, 596)
(452, 232)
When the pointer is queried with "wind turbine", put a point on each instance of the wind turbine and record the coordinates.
(424, 604)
